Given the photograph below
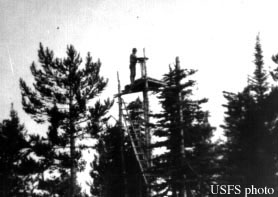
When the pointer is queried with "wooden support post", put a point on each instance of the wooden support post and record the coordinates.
(144, 65)
(142, 70)
(146, 110)
(147, 130)
(146, 118)
(125, 190)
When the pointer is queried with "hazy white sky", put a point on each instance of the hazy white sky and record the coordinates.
(214, 36)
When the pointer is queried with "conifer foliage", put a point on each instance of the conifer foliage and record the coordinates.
(112, 174)
(258, 82)
(16, 165)
(107, 168)
(185, 133)
(250, 130)
(61, 93)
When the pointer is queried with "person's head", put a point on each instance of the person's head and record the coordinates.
(134, 50)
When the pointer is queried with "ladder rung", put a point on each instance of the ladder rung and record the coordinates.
(134, 131)
(137, 147)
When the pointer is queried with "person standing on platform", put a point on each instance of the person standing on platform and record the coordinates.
(132, 65)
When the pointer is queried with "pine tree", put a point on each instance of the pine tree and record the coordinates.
(185, 133)
(249, 157)
(15, 161)
(107, 168)
(258, 82)
(62, 91)
(274, 73)
(240, 144)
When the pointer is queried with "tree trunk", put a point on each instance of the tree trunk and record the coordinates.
(72, 140)
(73, 168)
(182, 190)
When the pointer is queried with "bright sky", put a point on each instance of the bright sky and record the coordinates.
(216, 37)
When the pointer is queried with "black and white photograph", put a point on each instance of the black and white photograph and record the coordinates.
(138, 98)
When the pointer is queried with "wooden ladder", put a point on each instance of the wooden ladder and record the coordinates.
(133, 131)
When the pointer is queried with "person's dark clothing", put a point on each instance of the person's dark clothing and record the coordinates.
(132, 66)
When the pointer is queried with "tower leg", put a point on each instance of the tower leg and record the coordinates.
(124, 174)
(147, 130)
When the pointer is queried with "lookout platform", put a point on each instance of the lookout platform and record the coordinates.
(139, 85)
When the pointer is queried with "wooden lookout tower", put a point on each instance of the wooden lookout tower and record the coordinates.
(140, 146)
